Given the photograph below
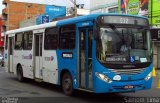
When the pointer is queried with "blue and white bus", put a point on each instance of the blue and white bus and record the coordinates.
(100, 53)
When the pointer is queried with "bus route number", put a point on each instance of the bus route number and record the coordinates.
(124, 20)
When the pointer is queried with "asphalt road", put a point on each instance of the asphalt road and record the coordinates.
(13, 91)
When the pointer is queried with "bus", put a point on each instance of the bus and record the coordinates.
(99, 53)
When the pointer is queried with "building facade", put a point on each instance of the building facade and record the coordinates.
(1, 39)
(103, 6)
(51, 12)
(14, 12)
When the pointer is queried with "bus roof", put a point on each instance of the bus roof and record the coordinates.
(67, 21)
(34, 27)
(91, 17)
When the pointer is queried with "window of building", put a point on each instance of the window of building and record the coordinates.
(51, 38)
(68, 37)
(19, 41)
(113, 10)
(28, 37)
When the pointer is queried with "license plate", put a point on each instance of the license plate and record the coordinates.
(128, 87)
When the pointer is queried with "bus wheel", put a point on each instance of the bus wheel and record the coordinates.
(67, 84)
(20, 74)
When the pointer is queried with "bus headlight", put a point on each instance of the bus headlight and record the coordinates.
(103, 77)
(148, 76)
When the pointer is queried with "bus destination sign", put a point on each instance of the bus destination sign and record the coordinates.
(128, 20)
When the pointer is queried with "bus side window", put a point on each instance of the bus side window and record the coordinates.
(27, 40)
(68, 37)
(19, 41)
(51, 38)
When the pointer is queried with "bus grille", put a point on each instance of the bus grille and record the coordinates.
(127, 71)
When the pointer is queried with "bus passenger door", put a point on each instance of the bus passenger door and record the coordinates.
(38, 38)
(85, 56)
(10, 59)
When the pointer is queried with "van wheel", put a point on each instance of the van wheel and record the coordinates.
(20, 74)
(67, 84)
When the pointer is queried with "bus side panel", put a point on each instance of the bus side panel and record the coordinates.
(6, 60)
(50, 66)
(17, 60)
(25, 59)
(6, 54)
(68, 63)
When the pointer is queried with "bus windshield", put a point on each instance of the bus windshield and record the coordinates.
(123, 45)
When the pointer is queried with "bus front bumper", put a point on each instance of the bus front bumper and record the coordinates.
(121, 86)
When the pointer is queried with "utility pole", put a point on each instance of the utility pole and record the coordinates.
(75, 8)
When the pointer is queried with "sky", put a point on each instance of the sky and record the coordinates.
(51, 2)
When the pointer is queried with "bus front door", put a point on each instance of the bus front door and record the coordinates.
(38, 55)
(85, 58)
(10, 60)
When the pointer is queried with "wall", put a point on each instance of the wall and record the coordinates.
(28, 22)
(17, 11)
(102, 6)
(50, 12)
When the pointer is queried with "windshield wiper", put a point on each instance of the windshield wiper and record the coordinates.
(115, 30)
(125, 46)
(118, 34)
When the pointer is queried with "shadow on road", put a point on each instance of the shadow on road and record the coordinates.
(99, 98)
(78, 97)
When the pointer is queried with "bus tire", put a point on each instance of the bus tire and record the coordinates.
(20, 74)
(67, 84)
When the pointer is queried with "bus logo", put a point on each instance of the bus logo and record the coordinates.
(49, 58)
(117, 77)
(27, 57)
